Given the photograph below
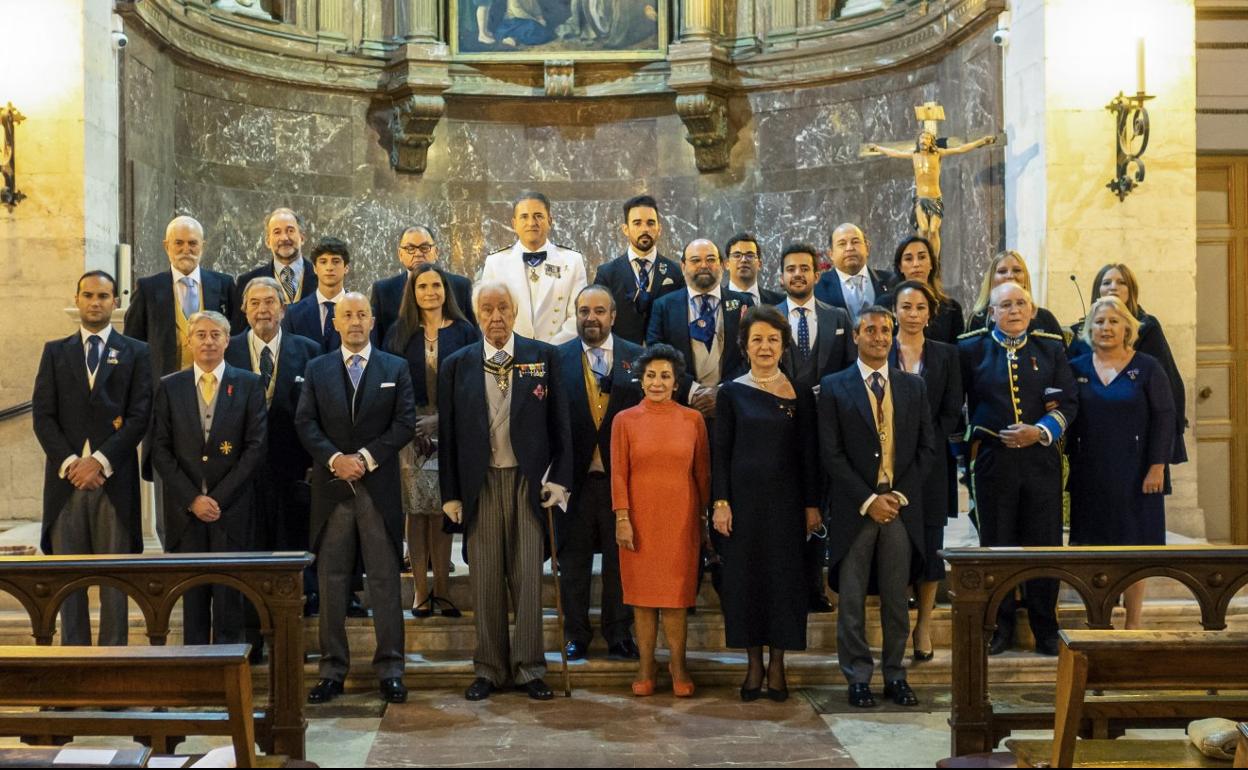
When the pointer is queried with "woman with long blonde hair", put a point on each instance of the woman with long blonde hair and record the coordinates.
(1009, 267)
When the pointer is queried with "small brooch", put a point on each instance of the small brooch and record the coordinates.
(732, 304)
(663, 268)
(226, 447)
(1133, 373)
(540, 392)
(112, 356)
(229, 391)
(1082, 380)
(117, 424)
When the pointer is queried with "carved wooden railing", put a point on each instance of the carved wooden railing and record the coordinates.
(273, 582)
(980, 577)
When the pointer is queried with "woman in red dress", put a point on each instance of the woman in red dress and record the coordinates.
(660, 487)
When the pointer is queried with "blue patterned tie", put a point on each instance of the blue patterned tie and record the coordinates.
(328, 330)
(702, 328)
(803, 333)
(642, 299)
(93, 353)
(356, 370)
(190, 305)
(598, 365)
(877, 387)
(288, 283)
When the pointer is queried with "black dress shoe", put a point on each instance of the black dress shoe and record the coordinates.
(860, 696)
(900, 693)
(576, 650)
(325, 691)
(819, 604)
(1047, 646)
(311, 605)
(393, 691)
(1001, 641)
(537, 689)
(355, 609)
(625, 650)
(480, 689)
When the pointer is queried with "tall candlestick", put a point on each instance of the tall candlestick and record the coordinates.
(125, 275)
(1139, 64)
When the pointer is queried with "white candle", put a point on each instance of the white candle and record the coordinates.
(125, 275)
(1139, 64)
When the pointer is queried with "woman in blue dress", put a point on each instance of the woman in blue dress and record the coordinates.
(1120, 442)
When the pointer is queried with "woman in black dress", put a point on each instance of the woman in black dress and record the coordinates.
(1117, 280)
(1120, 441)
(937, 363)
(429, 328)
(1009, 267)
(914, 261)
(765, 483)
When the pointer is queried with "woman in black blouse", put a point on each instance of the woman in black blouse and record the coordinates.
(1009, 267)
(914, 261)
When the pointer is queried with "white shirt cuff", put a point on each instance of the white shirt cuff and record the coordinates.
(333, 457)
(65, 465)
(901, 498)
(368, 460)
(104, 463)
(863, 510)
(1046, 438)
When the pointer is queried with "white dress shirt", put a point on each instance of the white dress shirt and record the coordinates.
(256, 345)
(321, 299)
(866, 373)
(365, 354)
(509, 347)
(752, 291)
(217, 372)
(652, 260)
(868, 288)
(812, 318)
(103, 334)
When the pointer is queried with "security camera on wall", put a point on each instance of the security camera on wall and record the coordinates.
(120, 40)
(1001, 35)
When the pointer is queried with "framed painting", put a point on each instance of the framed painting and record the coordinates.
(541, 30)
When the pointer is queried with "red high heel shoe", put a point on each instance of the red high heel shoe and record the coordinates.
(643, 688)
(680, 689)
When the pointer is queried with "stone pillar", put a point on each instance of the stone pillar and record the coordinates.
(373, 37)
(701, 20)
(331, 25)
(418, 20)
(780, 32)
(1065, 61)
(66, 156)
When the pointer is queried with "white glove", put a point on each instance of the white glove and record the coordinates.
(554, 495)
(454, 510)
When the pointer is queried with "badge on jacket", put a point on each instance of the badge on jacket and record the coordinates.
(226, 447)
(531, 370)
(554, 271)
(117, 424)
(112, 356)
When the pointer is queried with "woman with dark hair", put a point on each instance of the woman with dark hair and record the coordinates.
(766, 484)
(429, 328)
(914, 260)
(1009, 267)
(660, 487)
(937, 363)
(1117, 280)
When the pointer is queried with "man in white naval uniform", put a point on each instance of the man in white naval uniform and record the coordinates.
(543, 278)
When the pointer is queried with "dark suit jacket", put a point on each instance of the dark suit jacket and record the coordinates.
(385, 418)
(942, 373)
(113, 416)
(308, 286)
(849, 448)
(541, 435)
(828, 289)
(304, 318)
(625, 393)
(765, 296)
(150, 315)
(287, 459)
(618, 276)
(225, 463)
(834, 343)
(669, 323)
(387, 294)
(450, 339)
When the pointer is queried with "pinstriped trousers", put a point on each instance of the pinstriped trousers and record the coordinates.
(505, 553)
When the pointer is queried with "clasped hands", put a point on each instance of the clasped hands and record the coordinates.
(884, 508)
(205, 509)
(85, 473)
(349, 467)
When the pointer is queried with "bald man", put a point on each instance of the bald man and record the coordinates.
(851, 284)
(163, 302)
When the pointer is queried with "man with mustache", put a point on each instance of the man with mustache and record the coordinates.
(701, 321)
(543, 278)
(641, 275)
(823, 344)
(208, 431)
(876, 444)
(283, 235)
(598, 378)
(851, 285)
(745, 264)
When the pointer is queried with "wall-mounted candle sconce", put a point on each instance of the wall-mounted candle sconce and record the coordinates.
(1130, 132)
(10, 196)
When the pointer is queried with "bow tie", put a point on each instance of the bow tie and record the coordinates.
(534, 258)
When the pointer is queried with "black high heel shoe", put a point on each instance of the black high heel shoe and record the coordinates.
(448, 608)
(748, 694)
(424, 609)
(919, 656)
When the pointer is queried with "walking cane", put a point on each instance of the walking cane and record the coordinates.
(554, 570)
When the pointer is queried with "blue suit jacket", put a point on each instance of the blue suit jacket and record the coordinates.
(669, 323)
(618, 276)
(113, 416)
(304, 318)
(828, 289)
(834, 343)
(541, 436)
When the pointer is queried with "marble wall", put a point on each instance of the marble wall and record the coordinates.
(226, 150)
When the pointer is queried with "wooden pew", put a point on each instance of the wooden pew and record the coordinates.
(131, 677)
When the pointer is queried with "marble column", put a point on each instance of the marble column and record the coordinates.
(331, 24)
(1065, 61)
(417, 20)
(780, 32)
(701, 20)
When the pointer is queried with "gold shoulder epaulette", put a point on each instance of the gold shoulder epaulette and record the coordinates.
(500, 251)
(1048, 336)
(569, 248)
(973, 333)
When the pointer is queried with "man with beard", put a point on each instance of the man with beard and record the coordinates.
(417, 246)
(640, 275)
(745, 263)
(701, 321)
(598, 378)
(283, 235)
(823, 344)
(851, 285)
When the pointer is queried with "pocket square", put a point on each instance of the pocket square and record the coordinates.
(298, 378)
(668, 282)
(840, 332)
(387, 384)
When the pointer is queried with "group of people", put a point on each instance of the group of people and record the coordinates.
(676, 422)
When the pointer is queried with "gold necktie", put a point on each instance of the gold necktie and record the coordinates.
(208, 386)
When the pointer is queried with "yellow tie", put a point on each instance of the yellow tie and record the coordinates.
(208, 386)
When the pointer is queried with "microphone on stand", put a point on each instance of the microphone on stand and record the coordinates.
(1075, 281)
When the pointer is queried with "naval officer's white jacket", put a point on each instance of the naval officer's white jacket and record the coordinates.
(546, 308)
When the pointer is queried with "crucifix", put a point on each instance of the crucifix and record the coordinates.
(928, 211)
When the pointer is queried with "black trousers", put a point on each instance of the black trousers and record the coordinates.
(1018, 502)
(591, 529)
(211, 614)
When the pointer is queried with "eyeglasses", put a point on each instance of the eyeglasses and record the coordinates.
(423, 248)
(744, 256)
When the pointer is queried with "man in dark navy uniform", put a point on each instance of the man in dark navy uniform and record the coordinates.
(1020, 398)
